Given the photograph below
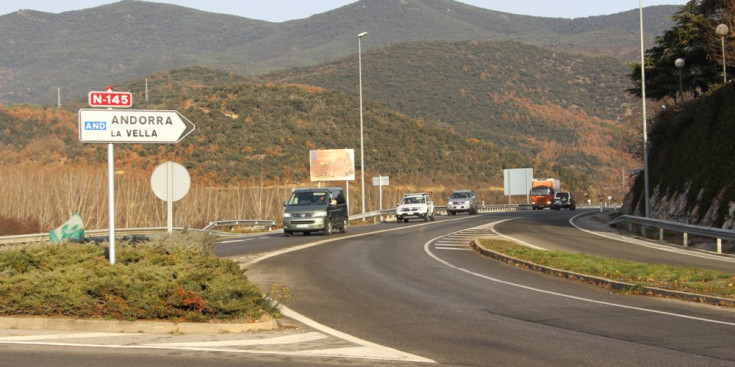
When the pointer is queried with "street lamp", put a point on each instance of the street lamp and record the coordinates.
(679, 63)
(646, 208)
(722, 30)
(362, 151)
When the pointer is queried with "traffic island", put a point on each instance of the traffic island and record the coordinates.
(604, 282)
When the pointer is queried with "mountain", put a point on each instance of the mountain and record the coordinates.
(557, 107)
(85, 50)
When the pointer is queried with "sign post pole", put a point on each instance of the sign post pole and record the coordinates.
(170, 196)
(111, 198)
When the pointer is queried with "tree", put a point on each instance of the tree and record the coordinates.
(693, 39)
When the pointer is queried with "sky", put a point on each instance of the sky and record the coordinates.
(283, 10)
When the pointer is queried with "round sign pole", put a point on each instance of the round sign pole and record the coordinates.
(170, 195)
(170, 181)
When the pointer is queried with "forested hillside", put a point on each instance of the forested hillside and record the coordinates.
(691, 163)
(560, 108)
(246, 130)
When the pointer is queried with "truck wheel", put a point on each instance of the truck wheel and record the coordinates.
(287, 233)
(426, 217)
(433, 218)
(405, 220)
(399, 220)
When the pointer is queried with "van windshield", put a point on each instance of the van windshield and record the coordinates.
(308, 198)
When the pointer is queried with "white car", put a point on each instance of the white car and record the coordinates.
(416, 206)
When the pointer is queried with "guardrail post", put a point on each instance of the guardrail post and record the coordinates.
(686, 239)
(719, 245)
(643, 231)
(660, 234)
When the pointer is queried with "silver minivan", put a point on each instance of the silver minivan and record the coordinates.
(315, 210)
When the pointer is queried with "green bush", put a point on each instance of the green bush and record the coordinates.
(177, 278)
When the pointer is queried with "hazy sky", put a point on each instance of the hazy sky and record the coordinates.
(282, 10)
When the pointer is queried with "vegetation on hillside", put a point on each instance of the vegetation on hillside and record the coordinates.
(557, 107)
(691, 153)
(250, 147)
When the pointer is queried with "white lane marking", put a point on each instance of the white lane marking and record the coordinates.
(288, 339)
(237, 240)
(652, 245)
(367, 348)
(427, 249)
(59, 336)
(340, 238)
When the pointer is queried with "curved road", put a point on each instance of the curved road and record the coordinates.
(418, 288)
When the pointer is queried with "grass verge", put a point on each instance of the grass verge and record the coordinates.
(678, 278)
(176, 278)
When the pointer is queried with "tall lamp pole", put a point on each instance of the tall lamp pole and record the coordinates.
(679, 63)
(362, 150)
(645, 133)
(722, 31)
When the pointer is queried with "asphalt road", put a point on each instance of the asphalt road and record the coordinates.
(398, 294)
(415, 289)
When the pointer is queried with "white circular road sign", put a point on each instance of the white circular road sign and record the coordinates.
(180, 181)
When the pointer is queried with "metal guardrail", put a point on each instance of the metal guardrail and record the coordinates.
(386, 214)
(270, 224)
(40, 237)
(685, 229)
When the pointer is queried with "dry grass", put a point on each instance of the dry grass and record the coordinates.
(38, 200)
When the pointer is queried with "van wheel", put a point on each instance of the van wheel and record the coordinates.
(328, 227)
(426, 217)
(287, 233)
(344, 227)
(405, 220)
(432, 217)
(398, 220)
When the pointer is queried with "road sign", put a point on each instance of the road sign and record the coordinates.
(174, 174)
(170, 181)
(110, 99)
(132, 126)
(381, 181)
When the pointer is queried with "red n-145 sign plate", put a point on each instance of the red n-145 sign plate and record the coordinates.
(110, 99)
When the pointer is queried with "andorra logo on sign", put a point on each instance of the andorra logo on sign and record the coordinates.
(95, 125)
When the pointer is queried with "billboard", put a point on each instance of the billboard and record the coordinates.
(332, 165)
(517, 181)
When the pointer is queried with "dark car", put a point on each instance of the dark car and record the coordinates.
(315, 210)
(563, 199)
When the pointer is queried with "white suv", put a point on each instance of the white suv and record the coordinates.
(417, 206)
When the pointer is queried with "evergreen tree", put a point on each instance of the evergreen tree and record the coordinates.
(693, 39)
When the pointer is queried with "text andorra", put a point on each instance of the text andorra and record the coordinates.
(141, 120)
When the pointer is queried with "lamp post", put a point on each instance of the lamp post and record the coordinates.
(645, 133)
(362, 151)
(679, 63)
(722, 30)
